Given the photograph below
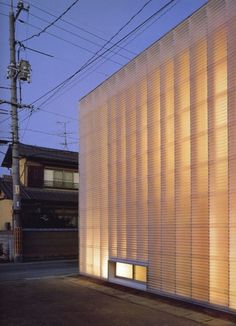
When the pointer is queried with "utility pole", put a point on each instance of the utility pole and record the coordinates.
(13, 71)
(17, 226)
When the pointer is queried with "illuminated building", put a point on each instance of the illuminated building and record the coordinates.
(158, 165)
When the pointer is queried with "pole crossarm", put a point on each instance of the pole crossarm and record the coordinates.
(18, 105)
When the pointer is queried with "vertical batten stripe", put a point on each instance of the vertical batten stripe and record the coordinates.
(158, 162)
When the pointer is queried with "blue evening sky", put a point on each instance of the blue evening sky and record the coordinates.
(72, 41)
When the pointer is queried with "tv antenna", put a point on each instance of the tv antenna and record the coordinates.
(64, 134)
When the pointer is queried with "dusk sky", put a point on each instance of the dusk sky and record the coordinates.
(70, 43)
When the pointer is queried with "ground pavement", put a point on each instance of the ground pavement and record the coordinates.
(51, 293)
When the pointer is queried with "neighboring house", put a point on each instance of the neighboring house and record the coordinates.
(49, 194)
(158, 168)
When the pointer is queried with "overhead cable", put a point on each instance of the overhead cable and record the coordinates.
(79, 27)
(52, 23)
(76, 34)
(66, 41)
(123, 27)
(93, 58)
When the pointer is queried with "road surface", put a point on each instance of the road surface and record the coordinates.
(51, 293)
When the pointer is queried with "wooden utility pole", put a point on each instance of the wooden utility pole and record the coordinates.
(15, 70)
(17, 225)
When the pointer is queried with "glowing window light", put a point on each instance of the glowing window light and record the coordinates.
(140, 273)
(124, 270)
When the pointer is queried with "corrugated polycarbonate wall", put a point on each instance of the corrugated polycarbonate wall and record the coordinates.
(158, 162)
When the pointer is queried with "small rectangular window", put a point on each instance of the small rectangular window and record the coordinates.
(124, 270)
(130, 271)
(140, 273)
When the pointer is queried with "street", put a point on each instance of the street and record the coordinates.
(51, 293)
(14, 272)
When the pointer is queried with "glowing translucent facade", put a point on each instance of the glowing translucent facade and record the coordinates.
(158, 162)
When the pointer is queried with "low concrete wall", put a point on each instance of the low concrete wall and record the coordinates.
(46, 244)
(6, 245)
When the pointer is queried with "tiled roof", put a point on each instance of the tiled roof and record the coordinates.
(39, 194)
(42, 153)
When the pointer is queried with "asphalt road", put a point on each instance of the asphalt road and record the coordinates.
(47, 294)
(21, 271)
(61, 302)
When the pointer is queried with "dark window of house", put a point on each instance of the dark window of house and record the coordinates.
(35, 176)
(41, 216)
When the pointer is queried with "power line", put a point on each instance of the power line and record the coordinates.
(34, 50)
(75, 34)
(53, 98)
(75, 82)
(151, 23)
(27, 124)
(126, 24)
(6, 4)
(8, 118)
(99, 56)
(4, 120)
(3, 111)
(72, 84)
(47, 133)
(28, 116)
(58, 114)
(47, 111)
(93, 58)
(95, 54)
(123, 27)
(79, 28)
(52, 23)
(127, 41)
(4, 87)
(53, 56)
(67, 41)
(50, 112)
(80, 79)
(5, 15)
(73, 63)
(58, 58)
